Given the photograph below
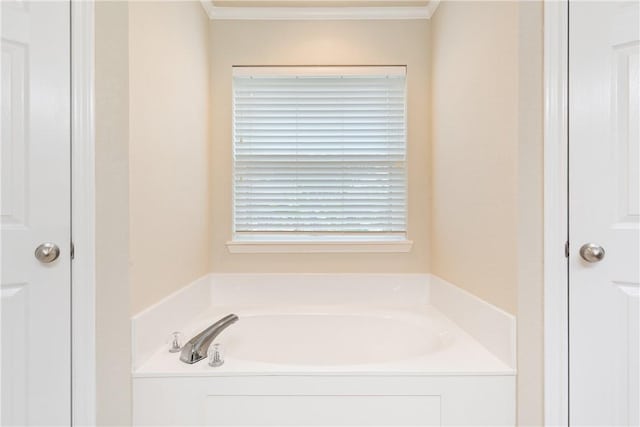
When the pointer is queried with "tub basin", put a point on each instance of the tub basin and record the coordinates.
(331, 338)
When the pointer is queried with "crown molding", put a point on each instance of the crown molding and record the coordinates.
(319, 13)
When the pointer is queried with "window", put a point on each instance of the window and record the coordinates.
(319, 154)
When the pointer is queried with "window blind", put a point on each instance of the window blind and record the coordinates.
(319, 150)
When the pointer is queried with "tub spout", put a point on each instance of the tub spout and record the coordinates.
(196, 349)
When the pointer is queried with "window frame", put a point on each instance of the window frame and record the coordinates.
(319, 242)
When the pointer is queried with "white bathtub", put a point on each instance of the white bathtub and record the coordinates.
(382, 362)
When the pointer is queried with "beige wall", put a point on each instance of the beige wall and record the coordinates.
(113, 337)
(169, 148)
(321, 43)
(530, 215)
(487, 168)
(166, 177)
(475, 134)
(152, 174)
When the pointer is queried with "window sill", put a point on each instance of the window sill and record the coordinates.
(292, 247)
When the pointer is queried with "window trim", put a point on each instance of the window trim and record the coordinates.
(242, 242)
(288, 247)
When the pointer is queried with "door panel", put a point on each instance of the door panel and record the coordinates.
(604, 209)
(35, 208)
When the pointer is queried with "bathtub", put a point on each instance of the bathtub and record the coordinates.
(383, 360)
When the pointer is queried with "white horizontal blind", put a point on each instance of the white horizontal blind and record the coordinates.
(320, 150)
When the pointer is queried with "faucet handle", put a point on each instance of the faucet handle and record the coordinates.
(215, 355)
(174, 342)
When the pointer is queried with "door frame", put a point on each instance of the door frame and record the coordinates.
(83, 348)
(556, 211)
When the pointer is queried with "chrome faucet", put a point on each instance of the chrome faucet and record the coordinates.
(196, 349)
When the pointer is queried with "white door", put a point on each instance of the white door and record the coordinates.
(604, 210)
(35, 372)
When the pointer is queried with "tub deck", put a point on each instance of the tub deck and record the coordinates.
(457, 354)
